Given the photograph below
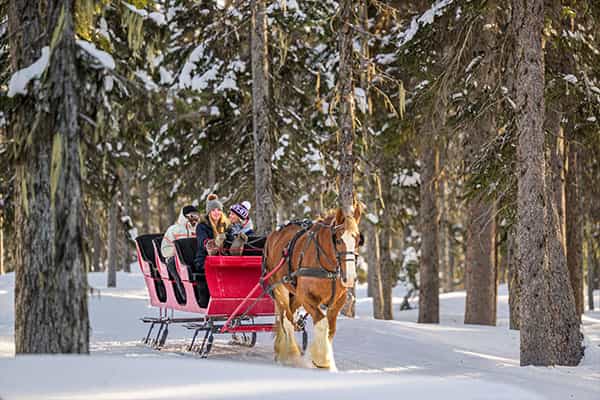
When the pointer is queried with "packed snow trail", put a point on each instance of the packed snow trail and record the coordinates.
(387, 359)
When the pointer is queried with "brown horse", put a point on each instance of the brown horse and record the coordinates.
(320, 264)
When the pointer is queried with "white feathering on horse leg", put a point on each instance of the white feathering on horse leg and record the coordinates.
(286, 348)
(321, 350)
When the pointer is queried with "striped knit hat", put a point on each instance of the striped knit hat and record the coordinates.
(241, 209)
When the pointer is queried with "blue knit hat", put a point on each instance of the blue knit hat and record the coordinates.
(241, 209)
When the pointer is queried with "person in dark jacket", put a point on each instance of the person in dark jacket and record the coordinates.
(210, 227)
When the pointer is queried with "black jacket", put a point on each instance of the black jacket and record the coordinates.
(204, 232)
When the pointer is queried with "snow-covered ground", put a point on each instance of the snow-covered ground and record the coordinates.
(384, 359)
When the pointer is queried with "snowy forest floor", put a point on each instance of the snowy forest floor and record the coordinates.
(375, 359)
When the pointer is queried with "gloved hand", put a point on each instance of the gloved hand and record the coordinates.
(211, 248)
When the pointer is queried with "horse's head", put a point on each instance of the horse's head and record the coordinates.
(346, 240)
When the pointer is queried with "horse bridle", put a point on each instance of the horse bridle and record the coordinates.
(340, 254)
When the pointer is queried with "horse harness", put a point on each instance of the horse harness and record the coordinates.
(313, 271)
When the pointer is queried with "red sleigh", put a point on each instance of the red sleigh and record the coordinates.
(238, 301)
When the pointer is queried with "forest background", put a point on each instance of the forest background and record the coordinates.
(459, 110)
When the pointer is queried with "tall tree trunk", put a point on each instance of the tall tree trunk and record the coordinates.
(212, 170)
(265, 209)
(112, 241)
(501, 258)
(557, 167)
(592, 279)
(2, 270)
(544, 340)
(97, 244)
(386, 270)
(346, 123)
(534, 305)
(171, 210)
(574, 242)
(591, 270)
(429, 285)
(51, 313)
(374, 261)
(444, 257)
(564, 318)
(126, 219)
(145, 205)
(480, 260)
(480, 268)
(371, 230)
(514, 283)
(162, 202)
(451, 259)
(480, 273)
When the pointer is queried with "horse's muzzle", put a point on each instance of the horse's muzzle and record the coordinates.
(349, 275)
(348, 283)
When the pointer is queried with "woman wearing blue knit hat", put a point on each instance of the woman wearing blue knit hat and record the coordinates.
(240, 219)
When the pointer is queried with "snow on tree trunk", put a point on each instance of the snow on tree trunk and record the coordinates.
(264, 208)
(51, 314)
(113, 226)
(574, 230)
(544, 339)
(429, 282)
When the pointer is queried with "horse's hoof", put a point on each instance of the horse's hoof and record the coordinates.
(320, 366)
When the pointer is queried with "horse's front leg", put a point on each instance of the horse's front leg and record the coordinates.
(333, 312)
(321, 352)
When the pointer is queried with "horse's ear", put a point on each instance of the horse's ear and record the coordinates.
(359, 207)
(339, 217)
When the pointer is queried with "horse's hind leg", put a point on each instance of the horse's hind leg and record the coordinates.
(286, 348)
